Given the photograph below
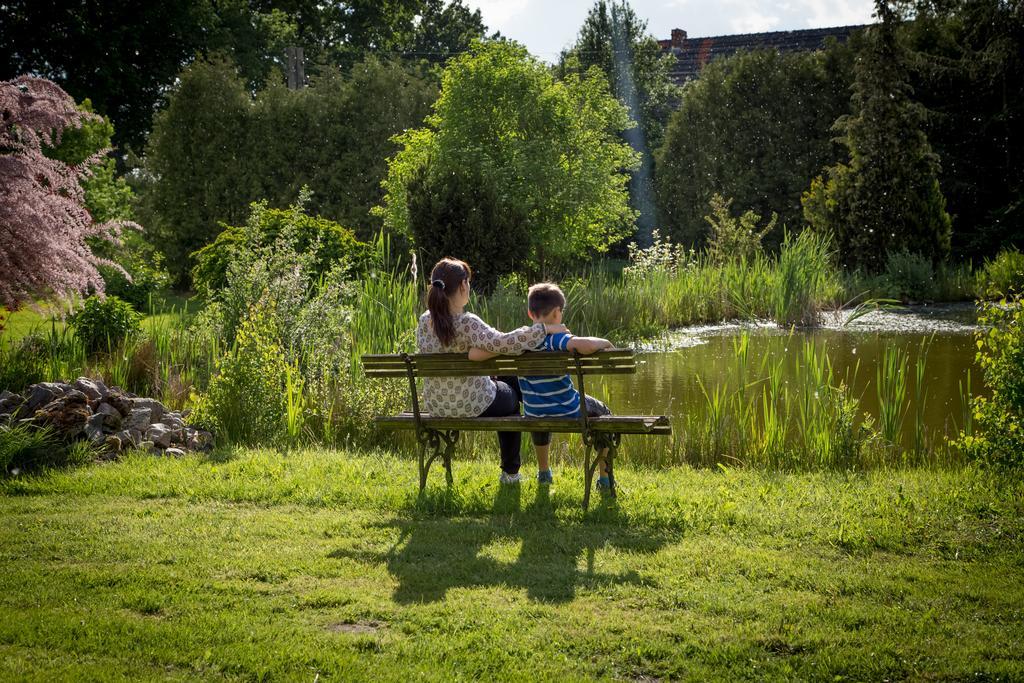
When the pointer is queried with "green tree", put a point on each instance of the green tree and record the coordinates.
(215, 149)
(195, 160)
(614, 39)
(887, 198)
(549, 148)
(456, 211)
(755, 127)
(124, 55)
(967, 69)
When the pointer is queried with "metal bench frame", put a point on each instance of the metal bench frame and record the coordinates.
(439, 435)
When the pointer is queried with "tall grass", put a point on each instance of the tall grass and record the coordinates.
(791, 289)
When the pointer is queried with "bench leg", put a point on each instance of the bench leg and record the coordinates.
(588, 473)
(424, 465)
(613, 447)
(450, 439)
(441, 445)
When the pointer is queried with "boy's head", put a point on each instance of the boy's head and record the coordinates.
(545, 301)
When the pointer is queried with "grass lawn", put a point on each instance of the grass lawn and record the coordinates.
(26, 319)
(254, 565)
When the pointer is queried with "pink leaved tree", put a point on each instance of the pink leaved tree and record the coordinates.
(43, 219)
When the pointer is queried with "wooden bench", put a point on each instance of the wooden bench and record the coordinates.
(440, 434)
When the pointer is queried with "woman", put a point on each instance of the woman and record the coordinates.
(446, 328)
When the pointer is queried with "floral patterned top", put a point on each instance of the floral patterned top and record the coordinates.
(468, 396)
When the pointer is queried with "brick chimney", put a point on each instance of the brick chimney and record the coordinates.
(678, 38)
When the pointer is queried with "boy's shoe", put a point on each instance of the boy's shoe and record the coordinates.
(507, 478)
(545, 477)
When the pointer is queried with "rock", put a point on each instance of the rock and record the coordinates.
(199, 440)
(173, 420)
(118, 400)
(5, 419)
(161, 435)
(147, 446)
(93, 389)
(67, 417)
(139, 418)
(126, 439)
(136, 436)
(9, 401)
(176, 452)
(42, 394)
(94, 427)
(113, 444)
(111, 416)
(156, 408)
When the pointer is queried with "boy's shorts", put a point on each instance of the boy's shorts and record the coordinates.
(595, 408)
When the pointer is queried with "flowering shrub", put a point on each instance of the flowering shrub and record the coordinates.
(661, 257)
(45, 223)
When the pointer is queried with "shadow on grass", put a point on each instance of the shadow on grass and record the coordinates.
(555, 557)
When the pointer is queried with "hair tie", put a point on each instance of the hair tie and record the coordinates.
(439, 284)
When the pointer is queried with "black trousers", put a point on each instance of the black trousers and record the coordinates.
(506, 402)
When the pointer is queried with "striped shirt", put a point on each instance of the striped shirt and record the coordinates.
(551, 396)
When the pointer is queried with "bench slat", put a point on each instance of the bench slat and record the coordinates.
(617, 361)
(622, 424)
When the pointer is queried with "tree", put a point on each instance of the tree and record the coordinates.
(755, 127)
(887, 198)
(550, 149)
(124, 55)
(195, 160)
(966, 66)
(457, 211)
(614, 39)
(43, 221)
(215, 149)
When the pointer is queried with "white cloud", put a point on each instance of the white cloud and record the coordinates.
(753, 22)
(836, 12)
(497, 13)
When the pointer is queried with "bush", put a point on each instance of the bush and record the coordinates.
(1003, 275)
(329, 243)
(245, 402)
(997, 436)
(910, 276)
(456, 213)
(103, 323)
(734, 239)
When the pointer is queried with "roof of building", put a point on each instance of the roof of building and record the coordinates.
(693, 53)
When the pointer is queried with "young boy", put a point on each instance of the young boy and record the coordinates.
(555, 396)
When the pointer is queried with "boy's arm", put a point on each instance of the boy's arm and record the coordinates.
(588, 345)
(480, 354)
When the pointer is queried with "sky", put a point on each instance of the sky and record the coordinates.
(548, 26)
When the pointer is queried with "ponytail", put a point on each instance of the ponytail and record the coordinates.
(445, 279)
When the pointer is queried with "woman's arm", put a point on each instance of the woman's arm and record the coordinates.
(479, 354)
(483, 336)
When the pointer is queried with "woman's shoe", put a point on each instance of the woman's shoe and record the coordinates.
(545, 477)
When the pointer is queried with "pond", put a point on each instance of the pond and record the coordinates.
(682, 376)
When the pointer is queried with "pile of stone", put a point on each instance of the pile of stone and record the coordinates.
(111, 417)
